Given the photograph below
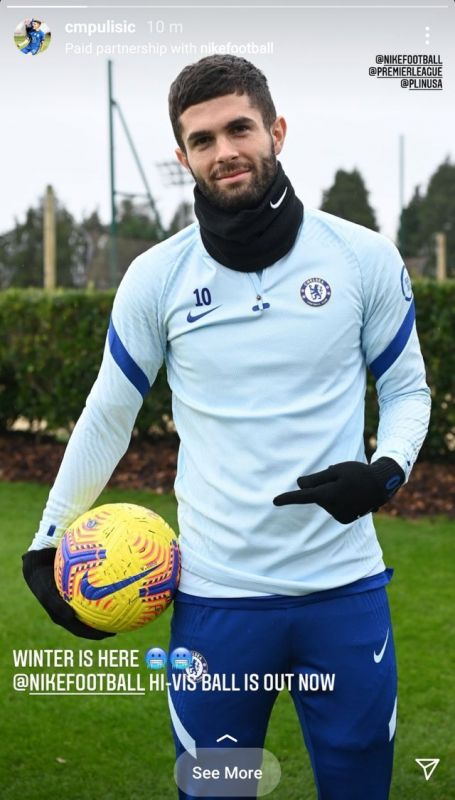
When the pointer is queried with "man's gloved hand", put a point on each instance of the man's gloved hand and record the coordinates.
(348, 490)
(38, 570)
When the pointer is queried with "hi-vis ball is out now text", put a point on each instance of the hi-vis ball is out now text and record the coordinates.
(116, 671)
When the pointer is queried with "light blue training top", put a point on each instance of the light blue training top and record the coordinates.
(268, 379)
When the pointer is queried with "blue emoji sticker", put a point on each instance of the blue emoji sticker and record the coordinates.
(156, 658)
(181, 658)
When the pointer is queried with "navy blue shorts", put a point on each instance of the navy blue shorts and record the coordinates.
(347, 718)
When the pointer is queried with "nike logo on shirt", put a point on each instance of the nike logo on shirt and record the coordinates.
(92, 592)
(195, 317)
(378, 656)
(278, 203)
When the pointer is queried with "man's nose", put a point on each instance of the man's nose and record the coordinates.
(226, 149)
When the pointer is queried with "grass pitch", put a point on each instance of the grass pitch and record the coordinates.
(113, 748)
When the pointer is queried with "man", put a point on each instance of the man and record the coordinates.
(35, 38)
(266, 318)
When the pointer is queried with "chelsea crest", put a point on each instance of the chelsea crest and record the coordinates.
(315, 292)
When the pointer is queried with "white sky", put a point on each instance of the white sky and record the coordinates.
(54, 105)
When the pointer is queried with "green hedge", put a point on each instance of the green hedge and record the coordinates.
(50, 352)
(51, 346)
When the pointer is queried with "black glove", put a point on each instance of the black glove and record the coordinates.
(348, 490)
(38, 570)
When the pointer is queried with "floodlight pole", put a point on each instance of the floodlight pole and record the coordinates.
(113, 227)
(139, 167)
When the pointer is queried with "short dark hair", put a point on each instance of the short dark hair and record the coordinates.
(215, 76)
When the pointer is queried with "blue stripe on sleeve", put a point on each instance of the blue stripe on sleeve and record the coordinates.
(127, 364)
(382, 363)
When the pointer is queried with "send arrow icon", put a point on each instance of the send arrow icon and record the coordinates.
(428, 765)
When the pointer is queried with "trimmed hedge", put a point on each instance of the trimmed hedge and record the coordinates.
(51, 349)
(51, 346)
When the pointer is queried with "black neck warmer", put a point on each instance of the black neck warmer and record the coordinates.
(254, 238)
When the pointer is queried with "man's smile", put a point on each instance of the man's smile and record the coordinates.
(230, 177)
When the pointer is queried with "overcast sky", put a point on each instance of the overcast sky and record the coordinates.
(54, 105)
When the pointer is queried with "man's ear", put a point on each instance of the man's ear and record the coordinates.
(278, 133)
(182, 158)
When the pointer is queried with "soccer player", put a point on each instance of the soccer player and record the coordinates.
(35, 38)
(267, 318)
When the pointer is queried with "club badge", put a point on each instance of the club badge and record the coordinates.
(315, 292)
(406, 287)
(198, 667)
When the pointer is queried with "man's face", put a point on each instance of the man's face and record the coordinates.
(36, 25)
(229, 152)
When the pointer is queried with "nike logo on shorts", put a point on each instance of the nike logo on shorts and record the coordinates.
(378, 656)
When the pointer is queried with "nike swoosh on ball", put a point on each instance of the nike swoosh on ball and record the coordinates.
(97, 592)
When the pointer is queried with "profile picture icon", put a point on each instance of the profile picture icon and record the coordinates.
(32, 36)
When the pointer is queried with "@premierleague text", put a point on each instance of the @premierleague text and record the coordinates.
(421, 71)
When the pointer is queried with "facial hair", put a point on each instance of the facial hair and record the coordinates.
(237, 199)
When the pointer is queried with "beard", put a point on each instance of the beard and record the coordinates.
(238, 198)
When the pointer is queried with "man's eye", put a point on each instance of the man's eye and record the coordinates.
(240, 128)
(202, 141)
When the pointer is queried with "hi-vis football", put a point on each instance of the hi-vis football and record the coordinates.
(118, 566)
